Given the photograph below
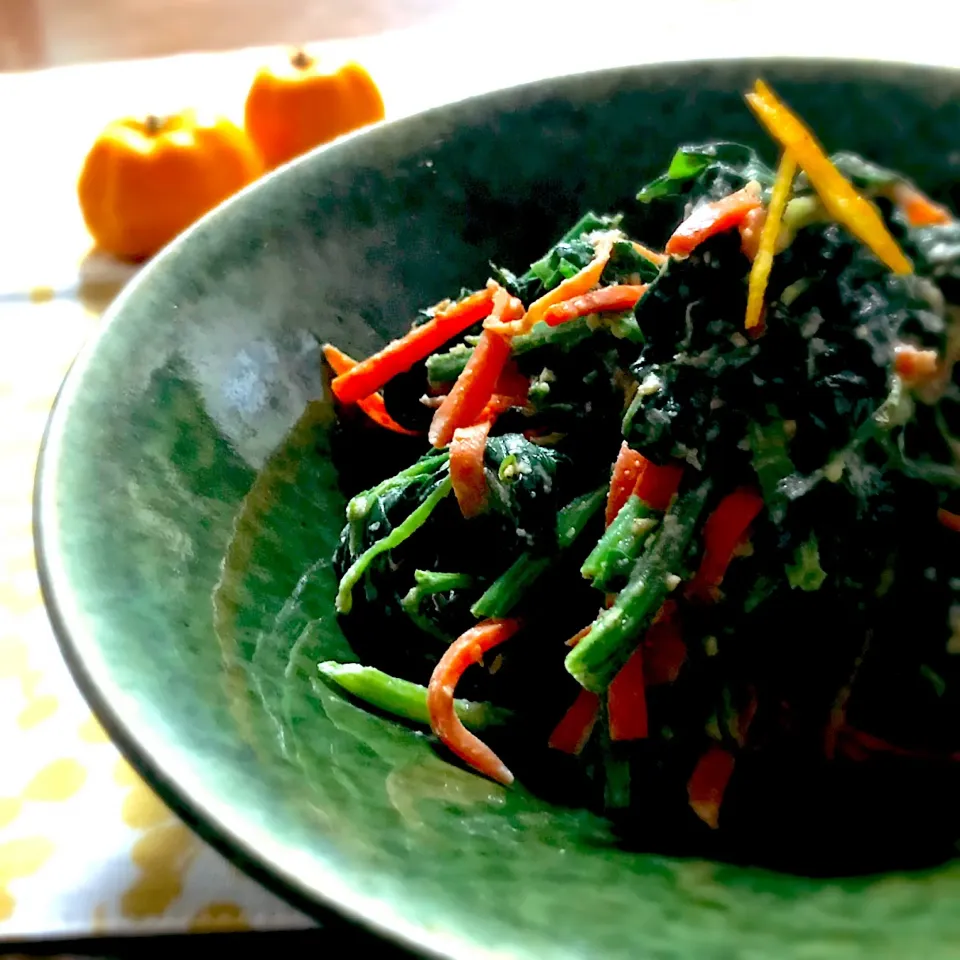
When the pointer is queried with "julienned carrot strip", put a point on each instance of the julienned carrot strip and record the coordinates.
(467, 649)
(579, 635)
(474, 387)
(651, 255)
(836, 192)
(400, 355)
(708, 784)
(626, 472)
(915, 366)
(512, 383)
(664, 650)
(712, 218)
(656, 485)
(511, 391)
(573, 731)
(627, 701)
(763, 261)
(723, 532)
(620, 296)
(918, 208)
(950, 520)
(575, 286)
(373, 406)
(466, 468)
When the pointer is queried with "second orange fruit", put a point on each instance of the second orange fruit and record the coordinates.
(295, 103)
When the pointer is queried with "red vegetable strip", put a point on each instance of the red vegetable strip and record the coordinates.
(950, 520)
(512, 383)
(473, 389)
(626, 472)
(373, 406)
(573, 731)
(400, 355)
(620, 296)
(918, 208)
(708, 784)
(915, 366)
(467, 649)
(712, 218)
(723, 532)
(580, 283)
(466, 468)
(627, 701)
(656, 486)
(664, 650)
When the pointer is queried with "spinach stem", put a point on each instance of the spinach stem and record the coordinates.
(393, 539)
(401, 697)
(596, 660)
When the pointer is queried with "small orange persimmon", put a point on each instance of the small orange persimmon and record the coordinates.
(145, 181)
(296, 104)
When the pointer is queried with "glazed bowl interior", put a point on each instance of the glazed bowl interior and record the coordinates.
(186, 488)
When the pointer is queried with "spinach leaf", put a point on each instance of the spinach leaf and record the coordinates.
(563, 261)
(522, 480)
(519, 287)
(625, 262)
(862, 173)
(712, 169)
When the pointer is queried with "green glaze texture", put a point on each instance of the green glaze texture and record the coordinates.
(187, 506)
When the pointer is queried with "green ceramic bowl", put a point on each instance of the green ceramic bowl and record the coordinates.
(186, 488)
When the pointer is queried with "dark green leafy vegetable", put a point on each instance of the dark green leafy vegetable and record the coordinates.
(428, 584)
(708, 169)
(762, 636)
(509, 589)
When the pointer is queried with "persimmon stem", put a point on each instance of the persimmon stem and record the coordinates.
(300, 59)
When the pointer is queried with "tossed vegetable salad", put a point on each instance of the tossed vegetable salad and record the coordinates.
(677, 509)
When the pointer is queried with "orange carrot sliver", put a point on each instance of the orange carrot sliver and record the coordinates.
(577, 285)
(708, 784)
(466, 468)
(467, 649)
(626, 472)
(373, 406)
(620, 296)
(656, 485)
(474, 387)
(915, 366)
(712, 218)
(627, 701)
(651, 255)
(578, 636)
(950, 520)
(723, 532)
(400, 355)
(573, 731)
(918, 208)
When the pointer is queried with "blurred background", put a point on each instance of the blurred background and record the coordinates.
(39, 33)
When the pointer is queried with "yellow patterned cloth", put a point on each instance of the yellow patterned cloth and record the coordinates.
(85, 846)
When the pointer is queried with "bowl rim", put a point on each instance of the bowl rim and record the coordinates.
(334, 903)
